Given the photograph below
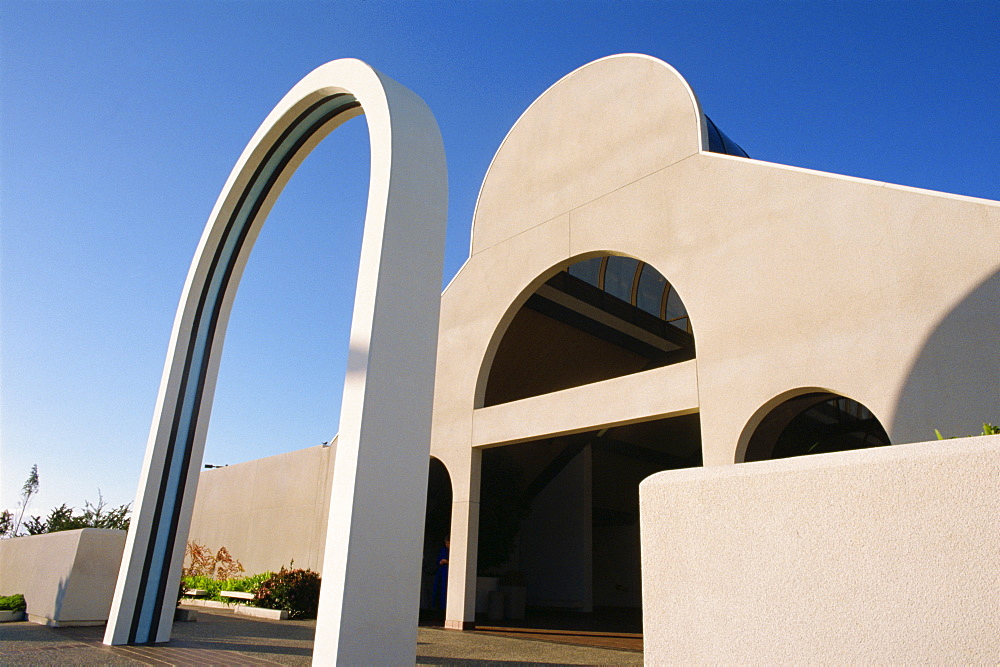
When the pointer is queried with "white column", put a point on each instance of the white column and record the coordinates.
(460, 613)
(370, 602)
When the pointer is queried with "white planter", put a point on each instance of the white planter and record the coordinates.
(68, 577)
(7, 616)
(185, 615)
(212, 604)
(260, 612)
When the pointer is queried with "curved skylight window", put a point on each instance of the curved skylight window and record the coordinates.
(600, 318)
(619, 276)
(636, 283)
(589, 270)
(650, 291)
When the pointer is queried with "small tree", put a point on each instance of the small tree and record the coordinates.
(226, 567)
(29, 489)
(100, 516)
(203, 564)
(62, 517)
(93, 516)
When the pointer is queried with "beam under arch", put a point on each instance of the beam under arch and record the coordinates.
(370, 592)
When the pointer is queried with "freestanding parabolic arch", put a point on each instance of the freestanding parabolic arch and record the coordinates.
(370, 591)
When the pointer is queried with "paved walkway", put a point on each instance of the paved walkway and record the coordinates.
(221, 638)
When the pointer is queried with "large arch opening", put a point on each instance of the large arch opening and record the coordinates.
(816, 422)
(286, 335)
(387, 382)
(601, 317)
(285, 338)
(559, 525)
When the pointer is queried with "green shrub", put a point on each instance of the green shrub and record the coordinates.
(210, 584)
(13, 603)
(294, 590)
(216, 572)
(214, 586)
(988, 429)
(246, 584)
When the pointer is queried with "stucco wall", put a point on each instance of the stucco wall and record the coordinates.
(881, 555)
(67, 578)
(796, 281)
(269, 511)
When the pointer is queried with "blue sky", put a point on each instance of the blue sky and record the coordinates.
(120, 121)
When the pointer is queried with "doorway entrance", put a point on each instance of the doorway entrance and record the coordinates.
(437, 530)
(559, 525)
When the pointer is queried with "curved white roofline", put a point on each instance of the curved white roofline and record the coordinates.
(703, 129)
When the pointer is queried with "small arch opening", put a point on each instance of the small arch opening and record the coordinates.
(598, 318)
(815, 423)
(437, 535)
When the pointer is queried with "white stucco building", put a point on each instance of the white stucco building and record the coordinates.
(642, 297)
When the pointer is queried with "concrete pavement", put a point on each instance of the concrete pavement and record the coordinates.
(220, 638)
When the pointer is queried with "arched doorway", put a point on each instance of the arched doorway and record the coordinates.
(437, 535)
(559, 514)
(816, 422)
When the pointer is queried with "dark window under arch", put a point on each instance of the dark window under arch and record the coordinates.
(815, 423)
(600, 318)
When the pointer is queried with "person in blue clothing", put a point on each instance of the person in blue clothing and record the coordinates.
(441, 577)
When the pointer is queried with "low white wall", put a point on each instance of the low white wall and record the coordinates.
(67, 578)
(267, 512)
(880, 555)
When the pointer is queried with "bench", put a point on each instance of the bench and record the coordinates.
(195, 592)
(237, 595)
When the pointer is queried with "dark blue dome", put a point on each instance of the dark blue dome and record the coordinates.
(718, 142)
